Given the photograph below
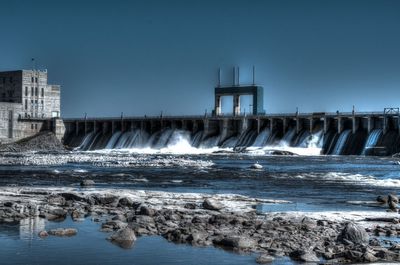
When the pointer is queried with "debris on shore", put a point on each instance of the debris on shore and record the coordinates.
(43, 141)
(223, 220)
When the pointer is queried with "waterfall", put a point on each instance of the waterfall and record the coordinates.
(210, 142)
(314, 140)
(114, 138)
(288, 137)
(246, 139)
(230, 142)
(262, 138)
(86, 142)
(341, 142)
(163, 139)
(372, 140)
(196, 140)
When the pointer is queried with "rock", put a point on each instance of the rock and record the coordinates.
(114, 225)
(368, 256)
(305, 256)
(43, 234)
(190, 205)
(145, 210)
(56, 200)
(256, 166)
(72, 196)
(264, 259)
(354, 234)
(124, 237)
(381, 199)
(77, 215)
(87, 182)
(211, 204)
(106, 199)
(239, 242)
(392, 202)
(126, 202)
(63, 232)
(54, 213)
(8, 204)
(393, 198)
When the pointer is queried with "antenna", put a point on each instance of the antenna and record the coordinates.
(254, 75)
(238, 78)
(234, 75)
(219, 76)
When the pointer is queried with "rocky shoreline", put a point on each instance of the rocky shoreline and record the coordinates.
(222, 220)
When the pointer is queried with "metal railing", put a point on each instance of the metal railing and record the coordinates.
(209, 116)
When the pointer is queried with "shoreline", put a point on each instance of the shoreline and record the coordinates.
(222, 220)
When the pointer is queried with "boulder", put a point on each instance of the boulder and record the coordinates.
(381, 199)
(213, 205)
(354, 234)
(87, 182)
(304, 256)
(63, 232)
(124, 237)
(56, 200)
(145, 210)
(126, 202)
(43, 234)
(238, 242)
(264, 259)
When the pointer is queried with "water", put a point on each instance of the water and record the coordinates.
(308, 183)
(372, 139)
(21, 245)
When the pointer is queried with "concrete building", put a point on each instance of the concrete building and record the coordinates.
(28, 104)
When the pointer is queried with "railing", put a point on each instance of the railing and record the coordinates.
(209, 116)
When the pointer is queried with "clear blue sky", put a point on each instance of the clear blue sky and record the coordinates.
(141, 57)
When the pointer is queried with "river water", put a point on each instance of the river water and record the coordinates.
(307, 183)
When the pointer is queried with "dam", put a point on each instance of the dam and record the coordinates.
(339, 133)
(351, 133)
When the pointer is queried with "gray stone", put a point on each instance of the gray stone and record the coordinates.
(211, 204)
(124, 237)
(264, 259)
(87, 182)
(63, 232)
(354, 233)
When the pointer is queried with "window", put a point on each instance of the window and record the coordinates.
(42, 104)
(32, 79)
(26, 104)
(36, 91)
(32, 91)
(36, 126)
(11, 79)
(26, 115)
(26, 91)
(32, 126)
(36, 80)
(42, 91)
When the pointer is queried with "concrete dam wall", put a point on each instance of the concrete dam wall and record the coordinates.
(333, 133)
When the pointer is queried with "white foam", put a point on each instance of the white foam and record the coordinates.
(357, 179)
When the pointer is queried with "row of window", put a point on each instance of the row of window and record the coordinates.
(34, 80)
(34, 104)
(10, 79)
(34, 91)
(33, 115)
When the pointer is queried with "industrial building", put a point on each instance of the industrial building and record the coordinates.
(28, 104)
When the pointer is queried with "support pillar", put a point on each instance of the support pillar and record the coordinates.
(354, 124)
(218, 106)
(258, 125)
(339, 126)
(311, 125)
(369, 124)
(112, 127)
(384, 125)
(236, 105)
(298, 125)
(284, 121)
(326, 125)
(271, 124)
(77, 128)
